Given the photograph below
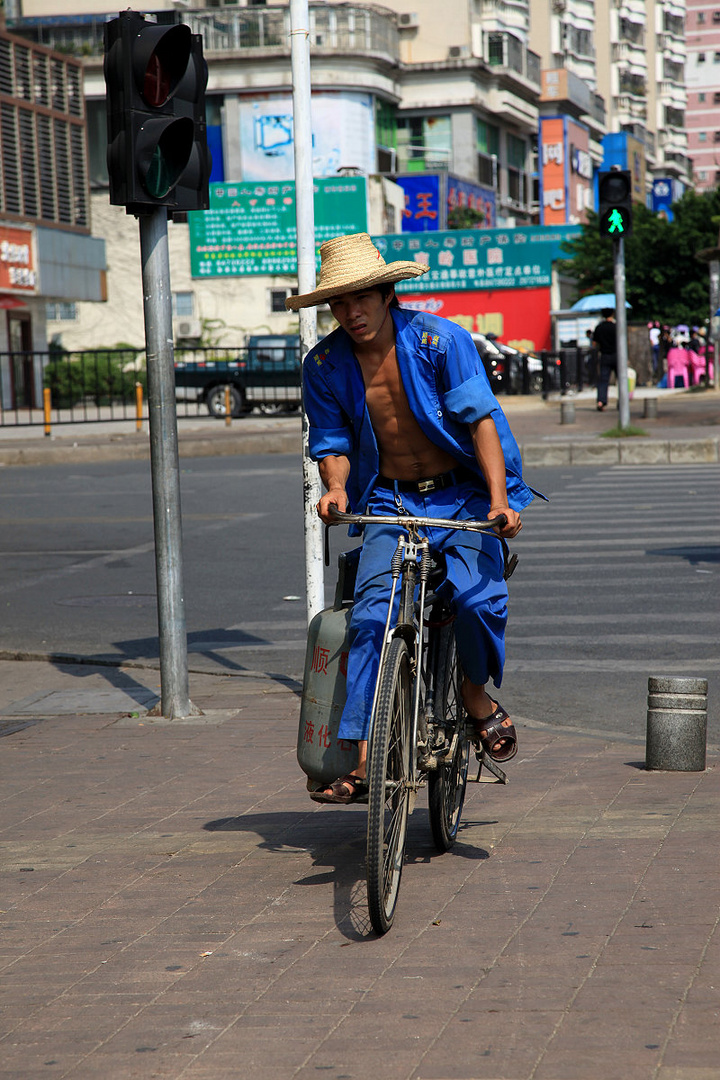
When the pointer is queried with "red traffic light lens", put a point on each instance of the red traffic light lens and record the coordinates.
(161, 59)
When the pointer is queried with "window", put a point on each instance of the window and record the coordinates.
(716, 98)
(716, 136)
(701, 58)
(515, 152)
(716, 16)
(701, 16)
(702, 136)
(717, 175)
(488, 138)
(701, 98)
(183, 304)
(716, 58)
(702, 174)
(61, 312)
(278, 298)
(424, 143)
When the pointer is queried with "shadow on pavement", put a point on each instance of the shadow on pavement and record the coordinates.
(336, 841)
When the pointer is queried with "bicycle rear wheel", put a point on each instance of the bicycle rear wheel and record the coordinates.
(389, 794)
(446, 783)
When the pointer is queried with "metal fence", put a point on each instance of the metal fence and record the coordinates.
(111, 384)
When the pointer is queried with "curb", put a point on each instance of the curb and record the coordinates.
(623, 452)
(137, 448)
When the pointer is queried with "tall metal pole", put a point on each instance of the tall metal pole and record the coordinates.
(164, 464)
(305, 210)
(621, 329)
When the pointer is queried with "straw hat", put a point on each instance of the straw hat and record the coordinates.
(349, 263)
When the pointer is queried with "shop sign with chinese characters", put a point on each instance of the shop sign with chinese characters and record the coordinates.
(465, 259)
(250, 228)
(17, 260)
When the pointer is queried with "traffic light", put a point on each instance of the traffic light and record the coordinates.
(157, 141)
(615, 203)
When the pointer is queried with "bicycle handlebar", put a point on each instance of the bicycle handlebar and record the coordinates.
(342, 518)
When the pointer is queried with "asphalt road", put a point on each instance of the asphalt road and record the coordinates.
(618, 577)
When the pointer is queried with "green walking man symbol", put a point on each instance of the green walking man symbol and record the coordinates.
(616, 222)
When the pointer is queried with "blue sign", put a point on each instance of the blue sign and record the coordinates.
(422, 202)
(461, 194)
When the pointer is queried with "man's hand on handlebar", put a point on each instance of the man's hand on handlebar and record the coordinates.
(512, 525)
(336, 497)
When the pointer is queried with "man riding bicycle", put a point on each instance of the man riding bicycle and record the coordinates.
(403, 419)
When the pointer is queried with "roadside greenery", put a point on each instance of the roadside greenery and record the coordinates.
(103, 377)
(663, 278)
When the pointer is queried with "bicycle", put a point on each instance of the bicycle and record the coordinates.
(418, 728)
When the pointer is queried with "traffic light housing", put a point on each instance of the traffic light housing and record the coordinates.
(615, 203)
(155, 76)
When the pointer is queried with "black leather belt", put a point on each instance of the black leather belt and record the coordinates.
(430, 483)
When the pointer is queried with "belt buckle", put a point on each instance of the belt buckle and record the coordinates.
(426, 485)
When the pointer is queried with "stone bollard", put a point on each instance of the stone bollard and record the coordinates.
(650, 408)
(676, 734)
(567, 412)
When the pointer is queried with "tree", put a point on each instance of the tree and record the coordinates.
(663, 278)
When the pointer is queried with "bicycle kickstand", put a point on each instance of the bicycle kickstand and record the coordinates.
(492, 767)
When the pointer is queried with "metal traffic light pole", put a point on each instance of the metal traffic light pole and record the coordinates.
(621, 332)
(164, 464)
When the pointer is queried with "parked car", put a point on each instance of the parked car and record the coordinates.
(514, 360)
(265, 375)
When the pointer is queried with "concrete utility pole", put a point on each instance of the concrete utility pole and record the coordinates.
(164, 464)
(621, 330)
(305, 211)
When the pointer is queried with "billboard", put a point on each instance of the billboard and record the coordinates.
(250, 228)
(566, 171)
(466, 259)
(519, 317)
(431, 197)
(343, 134)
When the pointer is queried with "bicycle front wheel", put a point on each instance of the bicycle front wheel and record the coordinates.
(389, 794)
(446, 783)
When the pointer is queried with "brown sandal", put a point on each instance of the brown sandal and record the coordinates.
(339, 794)
(491, 730)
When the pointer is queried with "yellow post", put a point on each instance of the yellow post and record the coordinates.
(47, 406)
(228, 407)
(138, 406)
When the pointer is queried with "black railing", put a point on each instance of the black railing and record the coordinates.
(111, 384)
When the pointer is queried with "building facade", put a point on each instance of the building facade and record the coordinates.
(47, 254)
(703, 88)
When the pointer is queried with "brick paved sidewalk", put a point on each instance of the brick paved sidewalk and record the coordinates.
(174, 906)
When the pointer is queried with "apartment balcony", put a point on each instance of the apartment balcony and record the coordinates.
(362, 29)
(505, 51)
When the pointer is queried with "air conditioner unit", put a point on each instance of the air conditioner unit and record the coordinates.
(458, 52)
(408, 20)
(187, 329)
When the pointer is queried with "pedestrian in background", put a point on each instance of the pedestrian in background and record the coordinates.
(605, 337)
(654, 335)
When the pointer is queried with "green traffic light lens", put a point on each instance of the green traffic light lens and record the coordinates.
(166, 148)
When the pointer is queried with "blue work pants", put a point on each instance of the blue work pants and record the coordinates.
(474, 586)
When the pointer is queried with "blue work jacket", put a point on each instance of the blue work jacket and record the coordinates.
(447, 389)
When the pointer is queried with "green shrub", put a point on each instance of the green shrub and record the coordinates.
(102, 377)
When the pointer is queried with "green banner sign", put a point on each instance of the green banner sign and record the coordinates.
(461, 259)
(250, 228)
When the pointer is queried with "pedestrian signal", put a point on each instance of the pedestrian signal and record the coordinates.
(155, 76)
(615, 203)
